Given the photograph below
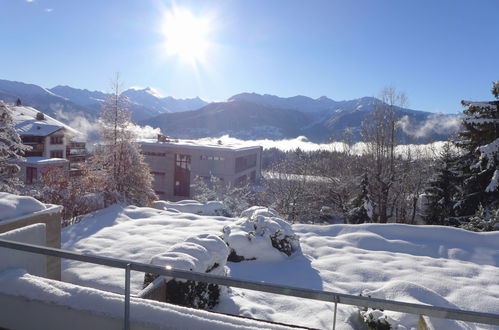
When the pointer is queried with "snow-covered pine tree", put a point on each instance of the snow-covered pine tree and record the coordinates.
(479, 139)
(361, 207)
(117, 168)
(442, 189)
(11, 149)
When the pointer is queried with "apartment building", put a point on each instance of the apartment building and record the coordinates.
(53, 144)
(176, 163)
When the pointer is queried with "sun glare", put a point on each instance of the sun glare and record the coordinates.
(186, 36)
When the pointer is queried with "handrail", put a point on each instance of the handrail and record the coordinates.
(332, 297)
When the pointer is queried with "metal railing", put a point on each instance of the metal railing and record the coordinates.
(332, 297)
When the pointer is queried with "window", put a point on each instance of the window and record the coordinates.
(211, 158)
(154, 154)
(182, 175)
(245, 162)
(56, 139)
(56, 154)
(31, 175)
(158, 173)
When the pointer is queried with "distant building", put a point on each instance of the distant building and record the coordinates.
(175, 164)
(53, 144)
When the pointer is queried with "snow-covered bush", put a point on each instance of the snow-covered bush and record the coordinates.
(234, 199)
(261, 235)
(483, 221)
(192, 206)
(202, 253)
(375, 319)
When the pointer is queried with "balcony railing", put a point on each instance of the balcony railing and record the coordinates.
(331, 297)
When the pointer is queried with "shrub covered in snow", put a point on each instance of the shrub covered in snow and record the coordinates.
(191, 206)
(261, 235)
(483, 220)
(375, 319)
(202, 253)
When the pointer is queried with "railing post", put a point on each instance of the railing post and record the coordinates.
(335, 309)
(127, 297)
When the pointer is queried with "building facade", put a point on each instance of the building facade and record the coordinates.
(176, 164)
(53, 144)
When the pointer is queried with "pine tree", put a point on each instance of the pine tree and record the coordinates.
(442, 189)
(479, 140)
(360, 208)
(11, 149)
(117, 168)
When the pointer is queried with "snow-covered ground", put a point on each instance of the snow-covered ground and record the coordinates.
(432, 265)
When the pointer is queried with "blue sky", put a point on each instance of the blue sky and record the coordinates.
(438, 52)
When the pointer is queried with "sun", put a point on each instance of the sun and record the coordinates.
(186, 35)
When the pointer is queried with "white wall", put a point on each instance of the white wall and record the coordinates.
(30, 302)
(49, 147)
(34, 263)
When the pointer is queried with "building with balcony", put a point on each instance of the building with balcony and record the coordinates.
(175, 164)
(53, 144)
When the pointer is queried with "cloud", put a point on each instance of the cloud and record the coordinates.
(30, 1)
(434, 124)
(423, 150)
(49, 10)
(144, 132)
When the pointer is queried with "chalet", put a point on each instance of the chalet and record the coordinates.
(53, 144)
(176, 163)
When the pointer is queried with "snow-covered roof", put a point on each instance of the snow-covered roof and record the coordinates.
(198, 144)
(26, 123)
(45, 160)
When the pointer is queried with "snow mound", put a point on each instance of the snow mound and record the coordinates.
(13, 206)
(412, 293)
(191, 206)
(202, 253)
(260, 235)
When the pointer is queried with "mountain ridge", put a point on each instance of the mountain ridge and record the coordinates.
(244, 115)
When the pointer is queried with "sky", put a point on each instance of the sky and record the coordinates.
(437, 52)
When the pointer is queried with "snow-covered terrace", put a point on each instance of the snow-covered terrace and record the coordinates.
(439, 266)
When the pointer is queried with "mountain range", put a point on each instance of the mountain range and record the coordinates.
(245, 115)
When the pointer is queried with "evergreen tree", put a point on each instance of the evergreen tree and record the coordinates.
(479, 140)
(117, 168)
(442, 189)
(11, 149)
(360, 208)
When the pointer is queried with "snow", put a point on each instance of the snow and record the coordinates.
(191, 206)
(482, 105)
(45, 160)
(251, 237)
(36, 264)
(13, 206)
(436, 265)
(198, 253)
(209, 144)
(26, 123)
(494, 182)
(17, 282)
